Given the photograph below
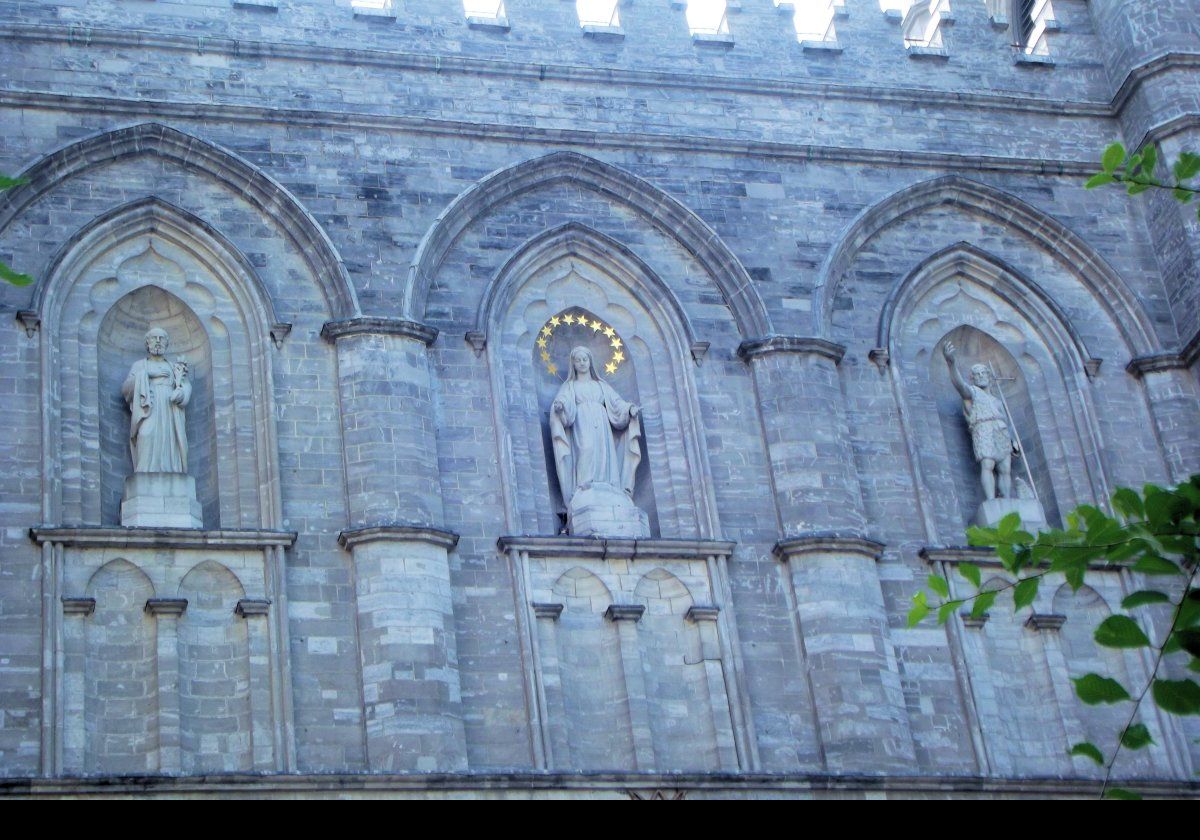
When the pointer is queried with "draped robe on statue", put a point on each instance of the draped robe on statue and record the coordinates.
(596, 441)
(157, 436)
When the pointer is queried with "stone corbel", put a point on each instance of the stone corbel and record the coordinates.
(166, 606)
(375, 325)
(278, 333)
(247, 607)
(702, 612)
(880, 357)
(550, 611)
(1154, 363)
(29, 320)
(624, 612)
(973, 622)
(78, 606)
(699, 351)
(1092, 367)
(1045, 621)
(478, 342)
(755, 347)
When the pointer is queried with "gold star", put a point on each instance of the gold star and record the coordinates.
(541, 342)
(616, 343)
(582, 318)
(551, 368)
(609, 332)
(546, 331)
(596, 325)
(545, 356)
(554, 322)
(618, 357)
(570, 319)
(610, 368)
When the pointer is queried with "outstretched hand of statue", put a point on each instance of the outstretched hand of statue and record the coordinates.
(949, 351)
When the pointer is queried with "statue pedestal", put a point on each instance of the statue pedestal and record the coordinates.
(160, 500)
(990, 512)
(603, 511)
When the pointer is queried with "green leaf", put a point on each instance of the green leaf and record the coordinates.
(1134, 189)
(1189, 640)
(1143, 597)
(14, 277)
(946, 610)
(1093, 689)
(1113, 157)
(1120, 631)
(971, 572)
(1149, 160)
(1179, 697)
(1136, 737)
(1128, 503)
(1025, 592)
(982, 604)
(939, 585)
(1088, 750)
(1187, 166)
(1099, 180)
(919, 610)
(1182, 196)
(1152, 564)
(1121, 793)
(7, 183)
(1194, 666)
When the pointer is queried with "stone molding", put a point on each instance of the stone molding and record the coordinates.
(78, 606)
(827, 543)
(974, 623)
(605, 548)
(398, 532)
(1138, 75)
(1191, 350)
(166, 606)
(1139, 366)
(550, 611)
(1045, 621)
(248, 607)
(702, 612)
(114, 537)
(465, 65)
(624, 612)
(981, 556)
(756, 347)
(378, 325)
(583, 138)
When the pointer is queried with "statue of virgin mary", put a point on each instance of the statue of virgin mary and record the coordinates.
(596, 437)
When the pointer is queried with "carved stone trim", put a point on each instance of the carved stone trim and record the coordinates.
(29, 320)
(159, 537)
(375, 325)
(613, 548)
(702, 612)
(279, 332)
(398, 532)
(699, 351)
(78, 606)
(880, 357)
(247, 607)
(1092, 367)
(827, 543)
(166, 606)
(959, 554)
(755, 347)
(974, 623)
(477, 340)
(1141, 365)
(1045, 621)
(624, 612)
(550, 611)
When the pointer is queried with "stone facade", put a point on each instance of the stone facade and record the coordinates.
(356, 225)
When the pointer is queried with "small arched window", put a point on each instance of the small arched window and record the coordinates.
(1031, 19)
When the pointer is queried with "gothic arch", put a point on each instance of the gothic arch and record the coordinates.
(190, 152)
(1097, 276)
(654, 205)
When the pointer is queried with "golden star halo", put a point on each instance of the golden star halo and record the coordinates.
(596, 325)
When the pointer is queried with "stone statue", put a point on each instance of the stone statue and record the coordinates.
(157, 391)
(993, 445)
(160, 493)
(596, 438)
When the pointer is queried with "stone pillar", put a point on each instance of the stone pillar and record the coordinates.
(72, 740)
(705, 619)
(808, 438)
(861, 713)
(549, 674)
(166, 612)
(411, 685)
(255, 611)
(626, 617)
(1173, 393)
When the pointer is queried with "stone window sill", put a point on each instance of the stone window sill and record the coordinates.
(603, 33)
(831, 47)
(712, 39)
(1024, 59)
(488, 24)
(926, 53)
(375, 15)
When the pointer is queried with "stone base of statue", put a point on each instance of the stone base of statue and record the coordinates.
(160, 500)
(604, 511)
(990, 512)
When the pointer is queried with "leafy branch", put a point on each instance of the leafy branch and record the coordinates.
(1155, 534)
(1136, 173)
(6, 273)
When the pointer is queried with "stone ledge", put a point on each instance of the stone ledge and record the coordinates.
(1046, 621)
(1156, 362)
(257, 5)
(550, 611)
(752, 348)
(612, 785)
(78, 606)
(95, 537)
(247, 607)
(712, 39)
(398, 532)
(488, 24)
(603, 33)
(833, 543)
(828, 47)
(374, 325)
(981, 556)
(625, 612)
(920, 51)
(1024, 59)
(606, 548)
(703, 612)
(166, 606)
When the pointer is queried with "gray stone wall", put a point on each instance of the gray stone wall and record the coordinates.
(350, 188)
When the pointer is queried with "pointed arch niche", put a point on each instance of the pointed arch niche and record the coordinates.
(998, 317)
(142, 265)
(574, 268)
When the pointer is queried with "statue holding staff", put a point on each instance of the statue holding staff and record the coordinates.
(987, 419)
